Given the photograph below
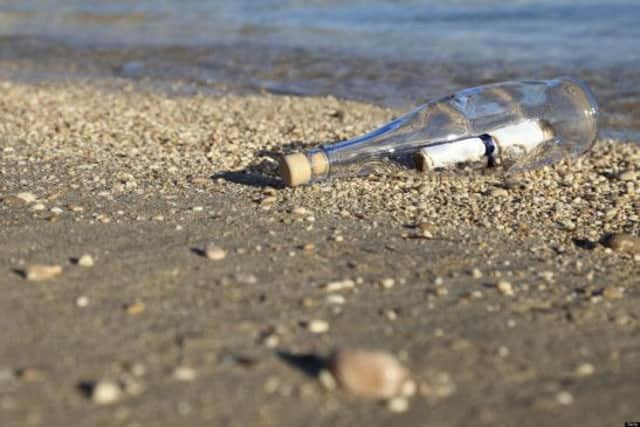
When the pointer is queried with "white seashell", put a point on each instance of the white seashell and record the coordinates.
(368, 373)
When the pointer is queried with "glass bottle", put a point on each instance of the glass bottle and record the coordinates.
(516, 126)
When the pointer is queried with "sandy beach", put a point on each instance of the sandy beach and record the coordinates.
(508, 299)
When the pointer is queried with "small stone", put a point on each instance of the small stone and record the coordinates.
(426, 229)
(135, 308)
(340, 285)
(441, 291)
(409, 388)
(103, 219)
(197, 208)
(368, 373)
(246, 278)
(82, 301)
(269, 200)
(622, 242)
(38, 207)
(476, 273)
(387, 283)
(498, 192)
(317, 326)
(564, 398)
(585, 370)
(56, 210)
(85, 260)
(505, 288)
(106, 392)
(611, 293)
(38, 272)
(214, 253)
(391, 314)
(26, 197)
(628, 175)
(398, 404)
(336, 299)
(184, 373)
(300, 211)
(327, 380)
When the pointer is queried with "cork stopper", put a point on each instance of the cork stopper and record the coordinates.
(298, 168)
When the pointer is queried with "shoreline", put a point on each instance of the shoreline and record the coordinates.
(250, 69)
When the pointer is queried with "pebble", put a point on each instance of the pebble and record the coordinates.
(269, 200)
(106, 392)
(85, 260)
(498, 192)
(398, 404)
(611, 293)
(505, 288)
(585, 370)
(135, 308)
(476, 273)
(564, 398)
(441, 291)
(300, 211)
(387, 283)
(628, 175)
(368, 373)
(318, 326)
(336, 299)
(184, 373)
(246, 278)
(39, 272)
(56, 210)
(214, 253)
(82, 301)
(197, 209)
(26, 197)
(340, 285)
(426, 229)
(38, 207)
(622, 242)
(327, 379)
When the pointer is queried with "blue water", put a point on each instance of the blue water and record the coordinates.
(549, 31)
(392, 52)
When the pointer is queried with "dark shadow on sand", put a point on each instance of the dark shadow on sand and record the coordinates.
(309, 364)
(245, 177)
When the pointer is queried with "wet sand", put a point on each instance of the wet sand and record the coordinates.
(141, 181)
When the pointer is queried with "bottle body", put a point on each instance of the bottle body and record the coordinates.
(533, 123)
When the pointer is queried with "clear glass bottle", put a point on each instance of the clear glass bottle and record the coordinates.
(514, 125)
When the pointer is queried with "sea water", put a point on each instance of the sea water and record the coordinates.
(392, 52)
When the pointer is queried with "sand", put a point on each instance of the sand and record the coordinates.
(498, 294)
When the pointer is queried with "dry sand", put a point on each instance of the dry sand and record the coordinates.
(509, 311)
